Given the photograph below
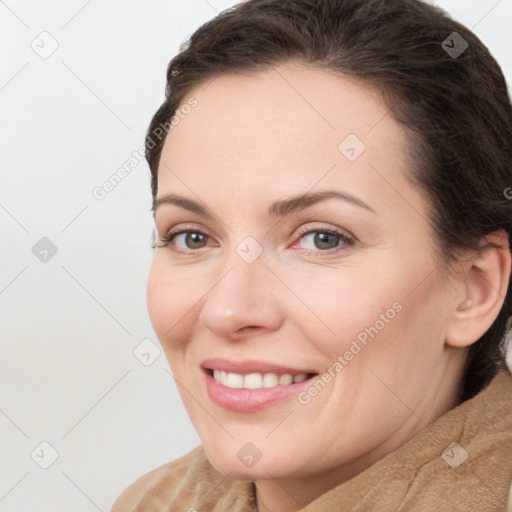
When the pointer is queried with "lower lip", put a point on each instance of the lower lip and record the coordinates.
(250, 400)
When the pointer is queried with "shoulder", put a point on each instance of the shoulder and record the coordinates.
(487, 427)
(188, 484)
(474, 471)
(164, 484)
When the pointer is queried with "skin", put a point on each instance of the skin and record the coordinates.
(254, 138)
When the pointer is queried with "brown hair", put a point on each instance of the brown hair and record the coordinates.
(455, 108)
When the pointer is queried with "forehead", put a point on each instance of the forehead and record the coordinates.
(286, 128)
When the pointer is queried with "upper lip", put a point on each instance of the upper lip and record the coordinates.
(250, 366)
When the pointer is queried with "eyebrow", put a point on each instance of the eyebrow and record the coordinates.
(278, 208)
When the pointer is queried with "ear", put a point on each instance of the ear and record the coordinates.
(485, 285)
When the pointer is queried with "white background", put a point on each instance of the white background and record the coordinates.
(69, 326)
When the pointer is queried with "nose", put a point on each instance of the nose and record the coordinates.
(243, 302)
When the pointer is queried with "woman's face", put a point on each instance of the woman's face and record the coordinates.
(306, 254)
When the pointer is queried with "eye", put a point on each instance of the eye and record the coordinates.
(192, 239)
(326, 240)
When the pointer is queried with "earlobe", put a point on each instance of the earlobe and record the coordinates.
(485, 286)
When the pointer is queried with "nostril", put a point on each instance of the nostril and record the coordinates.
(242, 329)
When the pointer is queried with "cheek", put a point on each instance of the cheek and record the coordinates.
(341, 305)
(169, 304)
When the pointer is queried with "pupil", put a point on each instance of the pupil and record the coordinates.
(196, 238)
(323, 239)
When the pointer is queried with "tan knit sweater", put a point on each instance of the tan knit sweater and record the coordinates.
(428, 473)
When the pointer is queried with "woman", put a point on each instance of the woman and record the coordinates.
(330, 282)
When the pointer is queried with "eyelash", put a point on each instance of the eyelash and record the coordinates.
(347, 240)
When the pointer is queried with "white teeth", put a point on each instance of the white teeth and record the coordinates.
(256, 380)
(285, 379)
(270, 380)
(253, 381)
(234, 380)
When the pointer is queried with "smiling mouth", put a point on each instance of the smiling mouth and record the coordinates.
(257, 380)
(252, 385)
